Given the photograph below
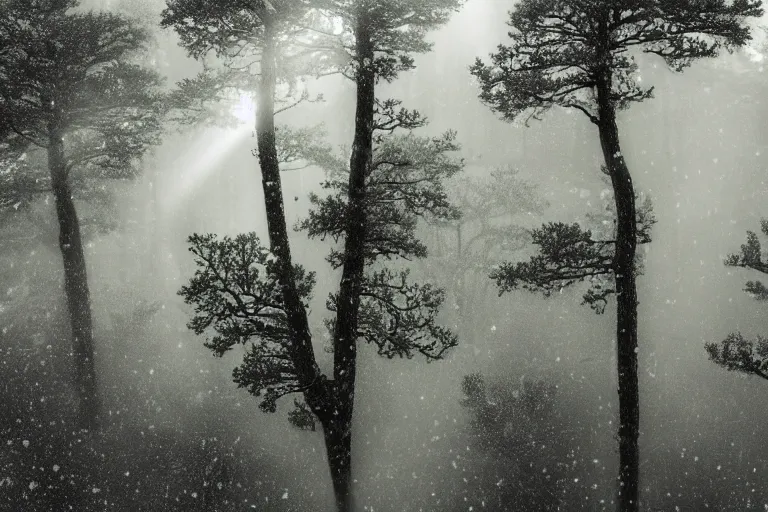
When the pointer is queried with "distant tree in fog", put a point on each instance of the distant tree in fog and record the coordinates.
(736, 353)
(523, 432)
(463, 250)
(69, 86)
(578, 54)
(245, 291)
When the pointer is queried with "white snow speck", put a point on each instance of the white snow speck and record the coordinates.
(285, 495)
(25, 443)
(55, 468)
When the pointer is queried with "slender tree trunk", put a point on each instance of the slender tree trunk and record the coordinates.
(346, 327)
(331, 401)
(75, 283)
(460, 275)
(318, 392)
(345, 338)
(302, 352)
(626, 302)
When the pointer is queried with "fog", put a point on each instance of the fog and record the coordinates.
(697, 149)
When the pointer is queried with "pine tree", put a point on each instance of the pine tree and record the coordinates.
(69, 87)
(274, 42)
(578, 54)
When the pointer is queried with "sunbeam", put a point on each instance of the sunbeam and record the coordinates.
(208, 152)
(210, 149)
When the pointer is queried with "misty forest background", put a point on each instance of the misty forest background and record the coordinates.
(520, 415)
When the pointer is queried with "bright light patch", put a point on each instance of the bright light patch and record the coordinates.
(754, 55)
(245, 109)
(210, 151)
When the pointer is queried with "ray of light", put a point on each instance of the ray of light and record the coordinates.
(207, 153)
(201, 163)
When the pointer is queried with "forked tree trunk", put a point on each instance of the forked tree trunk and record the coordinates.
(331, 401)
(626, 301)
(75, 284)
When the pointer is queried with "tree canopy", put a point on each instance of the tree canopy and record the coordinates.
(560, 50)
(81, 70)
(236, 290)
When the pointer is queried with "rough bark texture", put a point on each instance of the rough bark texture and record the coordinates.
(321, 396)
(626, 300)
(75, 283)
(345, 335)
(301, 351)
(338, 445)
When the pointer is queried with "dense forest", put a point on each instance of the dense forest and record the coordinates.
(383, 255)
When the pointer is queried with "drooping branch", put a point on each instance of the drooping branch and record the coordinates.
(236, 294)
(751, 257)
(406, 183)
(569, 254)
(735, 353)
(390, 118)
(19, 183)
(298, 148)
(400, 317)
(209, 97)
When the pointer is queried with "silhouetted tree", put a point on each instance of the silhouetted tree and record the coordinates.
(369, 41)
(577, 54)
(69, 87)
(237, 292)
(736, 353)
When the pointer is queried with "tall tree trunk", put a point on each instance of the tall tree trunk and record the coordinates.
(301, 350)
(626, 301)
(75, 283)
(318, 393)
(348, 304)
